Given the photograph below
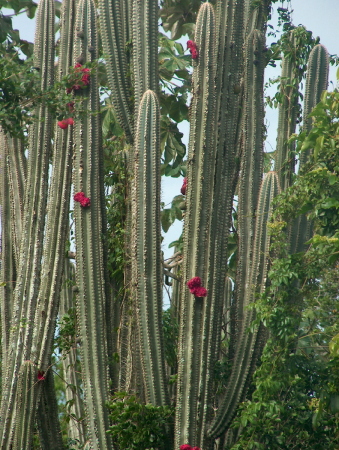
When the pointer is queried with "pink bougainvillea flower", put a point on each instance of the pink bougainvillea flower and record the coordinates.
(195, 53)
(82, 199)
(81, 82)
(194, 282)
(194, 285)
(184, 186)
(185, 447)
(86, 202)
(41, 375)
(85, 77)
(70, 106)
(199, 291)
(192, 46)
(65, 122)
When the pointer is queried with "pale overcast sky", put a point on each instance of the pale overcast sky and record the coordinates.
(321, 17)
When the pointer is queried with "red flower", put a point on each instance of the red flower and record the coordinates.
(185, 447)
(193, 49)
(184, 186)
(82, 199)
(199, 291)
(70, 106)
(195, 53)
(65, 122)
(41, 375)
(85, 76)
(84, 80)
(194, 283)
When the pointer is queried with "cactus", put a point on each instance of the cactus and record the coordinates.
(194, 311)
(225, 159)
(89, 227)
(25, 297)
(146, 266)
(316, 83)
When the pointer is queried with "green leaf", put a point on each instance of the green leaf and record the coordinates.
(334, 346)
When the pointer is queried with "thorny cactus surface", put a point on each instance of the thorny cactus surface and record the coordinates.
(225, 151)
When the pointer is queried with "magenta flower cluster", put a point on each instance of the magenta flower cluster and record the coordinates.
(82, 199)
(192, 46)
(194, 285)
(83, 81)
(184, 186)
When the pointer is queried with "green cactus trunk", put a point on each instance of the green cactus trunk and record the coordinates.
(89, 231)
(25, 299)
(200, 175)
(146, 258)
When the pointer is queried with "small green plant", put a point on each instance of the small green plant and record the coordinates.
(64, 340)
(137, 426)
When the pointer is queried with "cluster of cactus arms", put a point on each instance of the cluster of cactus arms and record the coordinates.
(224, 164)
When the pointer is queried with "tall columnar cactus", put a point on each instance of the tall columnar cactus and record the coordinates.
(25, 405)
(89, 229)
(249, 343)
(248, 216)
(225, 157)
(146, 257)
(145, 48)
(25, 302)
(194, 311)
(288, 110)
(316, 83)
(70, 360)
(115, 35)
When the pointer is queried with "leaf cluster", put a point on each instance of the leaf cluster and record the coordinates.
(65, 338)
(137, 426)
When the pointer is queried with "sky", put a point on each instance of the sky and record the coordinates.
(321, 17)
